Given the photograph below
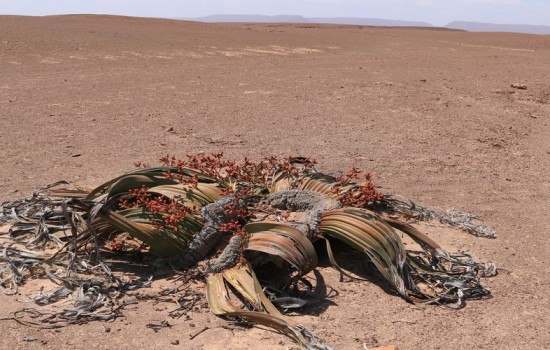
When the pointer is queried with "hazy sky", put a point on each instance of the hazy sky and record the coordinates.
(437, 12)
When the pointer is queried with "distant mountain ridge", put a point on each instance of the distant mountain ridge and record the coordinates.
(369, 21)
(252, 19)
(301, 19)
(459, 25)
(491, 27)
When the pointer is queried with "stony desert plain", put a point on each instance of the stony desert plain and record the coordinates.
(432, 114)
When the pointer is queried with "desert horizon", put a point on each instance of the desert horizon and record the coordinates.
(470, 26)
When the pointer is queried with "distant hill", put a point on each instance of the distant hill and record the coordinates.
(368, 21)
(252, 19)
(490, 27)
(301, 19)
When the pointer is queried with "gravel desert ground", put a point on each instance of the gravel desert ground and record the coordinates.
(447, 118)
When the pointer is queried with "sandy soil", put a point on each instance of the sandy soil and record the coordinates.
(431, 113)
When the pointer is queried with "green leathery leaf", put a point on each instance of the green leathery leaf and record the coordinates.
(281, 181)
(217, 295)
(324, 184)
(243, 279)
(361, 221)
(359, 229)
(419, 237)
(154, 172)
(284, 241)
(318, 182)
(161, 243)
(132, 182)
(200, 196)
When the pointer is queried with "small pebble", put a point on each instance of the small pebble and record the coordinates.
(519, 86)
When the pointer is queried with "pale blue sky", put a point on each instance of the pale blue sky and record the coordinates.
(436, 12)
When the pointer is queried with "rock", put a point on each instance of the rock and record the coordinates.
(519, 86)
(29, 338)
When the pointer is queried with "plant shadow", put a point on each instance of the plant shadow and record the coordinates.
(352, 262)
